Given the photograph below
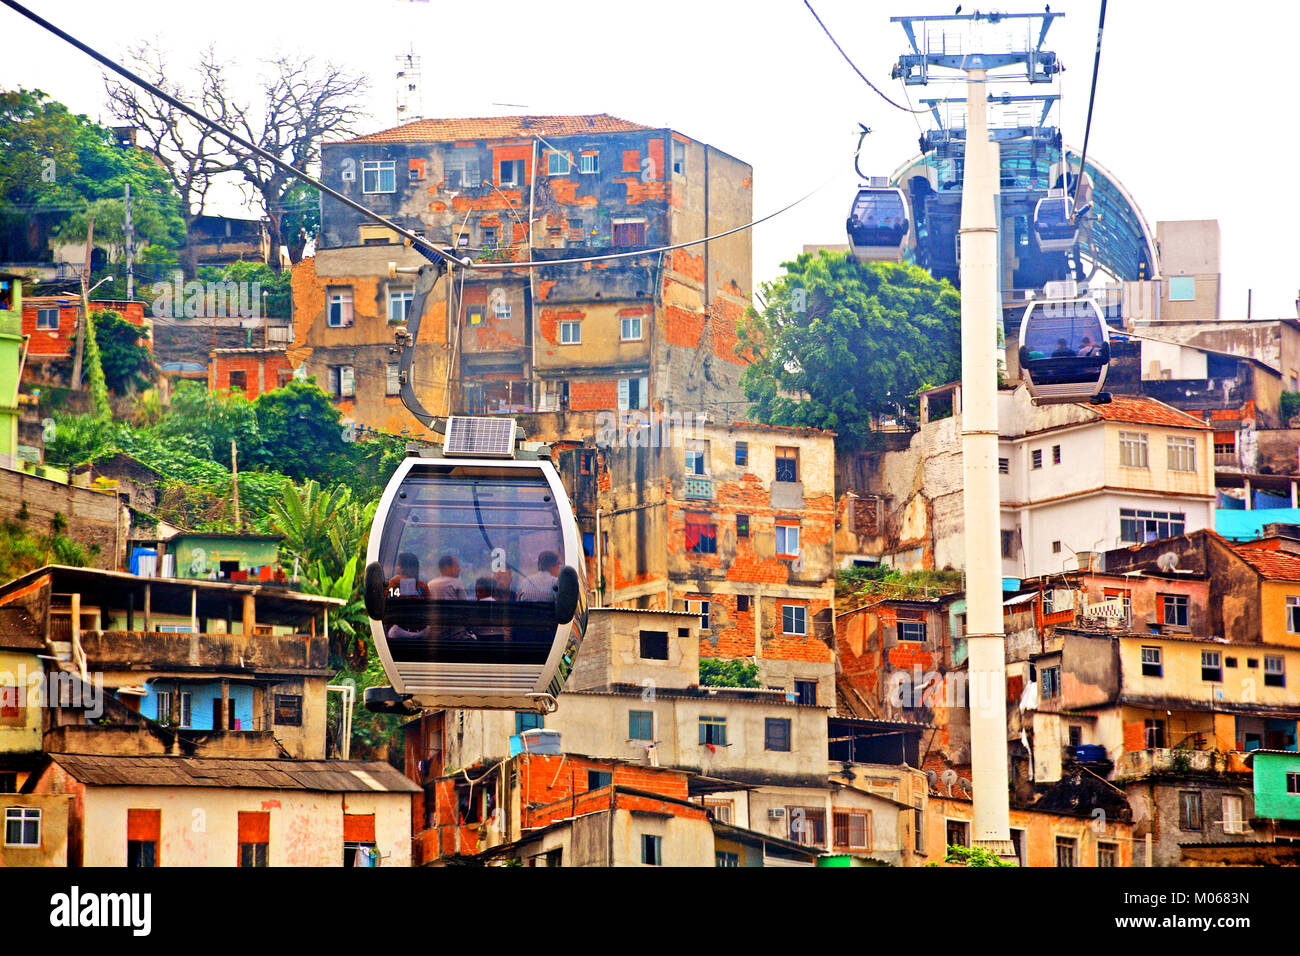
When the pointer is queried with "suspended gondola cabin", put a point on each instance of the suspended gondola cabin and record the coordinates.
(1055, 225)
(475, 576)
(1065, 349)
(877, 223)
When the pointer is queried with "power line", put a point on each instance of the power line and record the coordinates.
(1092, 97)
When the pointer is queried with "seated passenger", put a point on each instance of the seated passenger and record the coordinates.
(484, 590)
(540, 586)
(1089, 348)
(504, 585)
(407, 583)
(1063, 349)
(446, 586)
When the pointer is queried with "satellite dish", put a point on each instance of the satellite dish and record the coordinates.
(933, 777)
(964, 784)
(1167, 562)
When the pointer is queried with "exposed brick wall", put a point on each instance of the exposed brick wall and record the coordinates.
(593, 395)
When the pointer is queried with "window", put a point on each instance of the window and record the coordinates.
(679, 158)
(807, 825)
(342, 381)
(1152, 666)
(379, 176)
(488, 237)
(1189, 809)
(787, 464)
(1125, 598)
(742, 603)
(1292, 782)
(1182, 454)
(654, 645)
(651, 850)
(1076, 735)
(696, 462)
(528, 720)
(399, 304)
(630, 328)
(722, 858)
(1211, 666)
(911, 631)
(1137, 527)
(742, 526)
(713, 730)
(806, 692)
(1133, 449)
(1004, 466)
(794, 620)
(1056, 454)
(164, 707)
(599, 778)
(501, 310)
(1293, 615)
(340, 308)
(851, 829)
(512, 172)
(1175, 609)
(474, 314)
(701, 535)
(462, 170)
(787, 540)
(742, 453)
(254, 838)
(1056, 547)
(1182, 288)
(1018, 844)
(1066, 848)
(640, 725)
(1225, 443)
(22, 826)
(633, 393)
(724, 811)
(393, 379)
(957, 833)
(1008, 543)
(1107, 854)
(703, 608)
(239, 379)
(776, 734)
(558, 164)
(1036, 458)
(1232, 807)
(1274, 671)
(288, 710)
(570, 333)
(1051, 677)
(143, 833)
(47, 320)
(1154, 732)
(629, 233)
(589, 163)
(13, 709)
(8, 783)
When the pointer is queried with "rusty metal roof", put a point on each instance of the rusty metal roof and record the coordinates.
(329, 776)
(498, 127)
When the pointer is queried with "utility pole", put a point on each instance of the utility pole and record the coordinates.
(981, 304)
(130, 248)
(85, 308)
(234, 474)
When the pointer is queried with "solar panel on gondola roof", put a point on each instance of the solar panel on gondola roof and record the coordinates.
(479, 437)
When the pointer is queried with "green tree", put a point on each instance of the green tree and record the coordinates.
(203, 423)
(839, 342)
(323, 529)
(123, 356)
(726, 672)
(301, 432)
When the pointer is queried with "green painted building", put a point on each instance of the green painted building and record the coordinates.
(1277, 783)
(13, 353)
(227, 556)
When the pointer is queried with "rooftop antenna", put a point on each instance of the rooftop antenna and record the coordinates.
(409, 100)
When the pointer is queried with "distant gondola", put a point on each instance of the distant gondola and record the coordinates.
(877, 223)
(1064, 350)
(475, 575)
(1056, 226)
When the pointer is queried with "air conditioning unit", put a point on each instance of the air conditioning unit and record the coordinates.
(776, 813)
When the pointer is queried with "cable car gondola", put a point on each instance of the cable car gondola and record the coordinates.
(1056, 226)
(877, 223)
(1065, 349)
(475, 576)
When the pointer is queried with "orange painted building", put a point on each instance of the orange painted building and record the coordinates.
(251, 370)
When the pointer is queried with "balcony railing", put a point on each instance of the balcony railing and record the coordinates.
(698, 487)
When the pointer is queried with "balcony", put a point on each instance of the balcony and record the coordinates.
(1178, 761)
(698, 487)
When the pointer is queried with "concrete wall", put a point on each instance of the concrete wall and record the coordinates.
(1155, 812)
(53, 849)
(1040, 831)
(1272, 799)
(684, 841)
(96, 520)
(611, 651)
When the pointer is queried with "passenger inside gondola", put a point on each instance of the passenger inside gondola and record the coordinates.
(446, 586)
(406, 582)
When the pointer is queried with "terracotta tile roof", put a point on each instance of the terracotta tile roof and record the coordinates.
(1273, 565)
(328, 776)
(498, 127)
(1146, 411)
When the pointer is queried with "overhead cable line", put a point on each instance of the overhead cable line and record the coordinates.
(847, 60)
(1092, 97)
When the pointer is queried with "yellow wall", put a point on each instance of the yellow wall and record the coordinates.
(1272, 597)
(1041, 831)
(1182, 672)
(1157, 476)
(24, 671)
(200, 825)
(53, 850)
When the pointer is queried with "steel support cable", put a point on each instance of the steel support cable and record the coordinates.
(1092, 98)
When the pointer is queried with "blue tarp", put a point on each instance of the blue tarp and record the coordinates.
(1249, 525)
(1265, 501)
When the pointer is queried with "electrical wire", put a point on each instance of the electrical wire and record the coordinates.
(1092, 98)
(861, 75)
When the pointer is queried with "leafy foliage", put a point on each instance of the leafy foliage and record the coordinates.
(974, 856)
(872, 584)
(841, 341)
(123, 357)
(301, 432)
(1290, 406)
(23, 550)
(724, 672)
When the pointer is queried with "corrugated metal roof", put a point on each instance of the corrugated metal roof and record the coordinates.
(455, 129)
(330, 776)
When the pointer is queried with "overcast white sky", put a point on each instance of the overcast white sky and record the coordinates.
(1195, 107)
